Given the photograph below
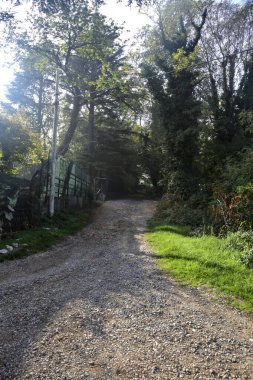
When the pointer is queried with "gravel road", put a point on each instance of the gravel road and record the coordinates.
(97, 307)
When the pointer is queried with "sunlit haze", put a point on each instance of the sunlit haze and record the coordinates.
(129, 17)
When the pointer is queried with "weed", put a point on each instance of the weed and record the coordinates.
(50, 232)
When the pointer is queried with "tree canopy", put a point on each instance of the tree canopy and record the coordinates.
(176, 113)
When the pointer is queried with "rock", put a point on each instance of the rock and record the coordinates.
(3, 251)
(15, 245)
(156, 369)
(9, 248)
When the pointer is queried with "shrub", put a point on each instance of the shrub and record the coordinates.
(247, 258)
(233, 191)
(172, 209)
(225, 209)
(242, 241)
(167, 201)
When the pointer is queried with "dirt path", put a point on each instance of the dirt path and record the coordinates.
(96, 307)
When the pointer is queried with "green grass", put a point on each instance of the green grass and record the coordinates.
(50, 232)
(202, 261)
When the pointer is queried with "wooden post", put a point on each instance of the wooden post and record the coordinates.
(54, 139)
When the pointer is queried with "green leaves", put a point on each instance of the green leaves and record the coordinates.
(181, 60)
(19, 144)
(172, 78)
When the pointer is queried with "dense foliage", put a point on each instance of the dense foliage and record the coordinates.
(19, 145)
(191, 83)
(100, 91)
(198, 68)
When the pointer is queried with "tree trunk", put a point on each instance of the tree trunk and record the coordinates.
(40, 106)
(77, 106)
(91, 128)
(215, 98)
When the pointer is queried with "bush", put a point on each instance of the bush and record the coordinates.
(173, 210)
(242, 241)
(167, 201)
(247, 258)
(203, 230)
(183, 216)
(233, 191)
(225, 210)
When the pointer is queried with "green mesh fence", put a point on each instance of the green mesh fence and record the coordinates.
(73, 187)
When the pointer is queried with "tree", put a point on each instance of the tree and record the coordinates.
(86, 48)
(118, 141)
(116, 156)
(172, 78)
(19, 145)
(100, 90)
(153, 153)
(31, 91)
(226, 48)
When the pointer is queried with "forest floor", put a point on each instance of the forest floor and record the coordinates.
(96, 306)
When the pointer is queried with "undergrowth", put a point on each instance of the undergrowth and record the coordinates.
(50, 231)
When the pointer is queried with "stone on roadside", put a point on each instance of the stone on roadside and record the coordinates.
(3, 251)
(9, 248)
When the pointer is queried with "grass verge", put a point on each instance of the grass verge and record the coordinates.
(204, 261)
(51, 231)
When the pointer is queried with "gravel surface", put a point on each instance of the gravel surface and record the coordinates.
(97, 307)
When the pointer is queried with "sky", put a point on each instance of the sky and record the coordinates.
(130, 16)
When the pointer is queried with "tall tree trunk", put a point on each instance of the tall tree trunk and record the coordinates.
(91, 128)
(77, 106)
(41, 130)
(214, 99)
(40, 106)
(228, 71)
